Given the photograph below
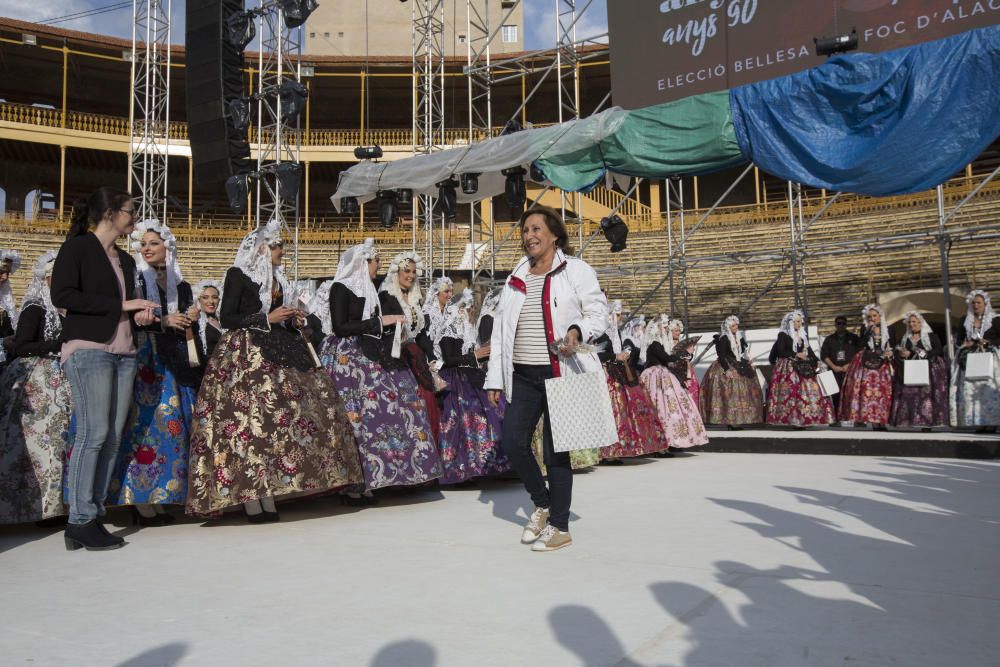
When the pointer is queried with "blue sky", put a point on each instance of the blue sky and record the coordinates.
(539, 18)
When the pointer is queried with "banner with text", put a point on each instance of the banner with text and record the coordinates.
(663, 51)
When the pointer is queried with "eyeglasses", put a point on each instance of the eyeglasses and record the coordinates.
(128, 211)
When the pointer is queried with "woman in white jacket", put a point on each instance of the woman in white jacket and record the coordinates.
(548, 297)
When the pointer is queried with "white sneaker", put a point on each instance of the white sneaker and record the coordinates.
(539, 518)
(551, 539)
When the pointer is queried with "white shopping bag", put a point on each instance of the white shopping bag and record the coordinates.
(580, 412)
(979, 366)
(916, 373)
(828, 383)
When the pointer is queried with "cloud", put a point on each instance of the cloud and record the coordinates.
(117, 23)
(540, 22)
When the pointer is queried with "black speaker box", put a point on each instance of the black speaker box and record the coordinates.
(214, 75)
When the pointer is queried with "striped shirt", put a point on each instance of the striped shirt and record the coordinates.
(530, 343)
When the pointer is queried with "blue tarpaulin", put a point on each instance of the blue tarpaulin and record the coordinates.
(885, 124)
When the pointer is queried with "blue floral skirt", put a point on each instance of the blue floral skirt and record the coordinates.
(471, 431)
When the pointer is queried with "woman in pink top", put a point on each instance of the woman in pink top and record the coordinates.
(94, 282)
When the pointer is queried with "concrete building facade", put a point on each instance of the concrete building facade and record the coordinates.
(384, 27)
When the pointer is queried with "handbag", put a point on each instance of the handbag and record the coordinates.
(828, 383)
(580, 413)
(979, 366)
(744, 368)
(916, 373)
(872, 360)
(805, 368)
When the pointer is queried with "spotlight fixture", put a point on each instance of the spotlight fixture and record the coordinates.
(349, 206)
(470, 183)
(404, 196)
(289, 177)
(240, 30)
(368, 152)
(297, 11)
(237, 190)
(514, 190)
(615, 231)
(293, 99)
(448, 197)
(388, 210)
(828, 46)
(239, 113)
(536, 173)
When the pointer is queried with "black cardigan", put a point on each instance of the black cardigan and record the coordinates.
(171, 345)
(346, 315)
(991, 337)
(936, 350)
(784, 348)
(84, 283)
(724, 351)
(30, 338)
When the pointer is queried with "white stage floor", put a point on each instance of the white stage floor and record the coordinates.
(706, 559)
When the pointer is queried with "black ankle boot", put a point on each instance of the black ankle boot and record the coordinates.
(91, 537)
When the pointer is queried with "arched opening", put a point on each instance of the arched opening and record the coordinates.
(927, 302)
(40, 205)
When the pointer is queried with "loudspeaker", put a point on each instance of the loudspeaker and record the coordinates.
(214, 76)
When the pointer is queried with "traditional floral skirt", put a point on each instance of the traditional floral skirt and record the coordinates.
(35, 410)
(578, 458)
(693, 386)
(730, 399)
(682, 425)
(866, 396)
(795, 400)
(471, 430)
(153, 457)
(922, 406)
(640, 432)
(976, 402)
(263, 429)
(388, 415)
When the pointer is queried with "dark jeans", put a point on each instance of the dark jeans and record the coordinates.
(521, 417)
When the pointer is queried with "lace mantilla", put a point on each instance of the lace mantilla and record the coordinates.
(971, 331)
(800, 336)
(202, 317)
(38, 294)
(253, 258)
(734, 339)
(410, 301)
(457, 323)
(352, 273)
(883, 327)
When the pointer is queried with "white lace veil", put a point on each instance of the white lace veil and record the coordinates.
(800, 336)
(883, 327)
(320, 306)
(988, 315)
(352, 273)
(490, 308)
(671, 325)
(391, 286)
(202, 316)
(457, 323)
(173, 269)
(254, 259)
(13, 259)
(432, 309)
(925, 331)
(656, 332)
(635, 329)
(734, 340)
(38, 294)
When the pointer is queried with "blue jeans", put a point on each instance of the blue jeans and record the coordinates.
(519, 421)
(102, 385)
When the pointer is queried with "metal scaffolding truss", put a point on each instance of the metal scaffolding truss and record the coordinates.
(149, 109)
(428, 112)
(278, 139)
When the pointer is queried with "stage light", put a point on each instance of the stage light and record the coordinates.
(537, 175)
(239, 113)
(448, 198)
(404, 196)
(388, 210)
(470, 183)
(293, 99)
(237, 190)
(240, 30)
(297, 11)
(514, 190)
(289, 177)
(368, 152)
(828, 46)
(615, 231)
(349, 206)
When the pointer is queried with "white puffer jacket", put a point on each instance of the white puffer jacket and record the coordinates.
(571, 297)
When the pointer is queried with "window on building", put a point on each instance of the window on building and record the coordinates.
(509, 34)
(312, 35)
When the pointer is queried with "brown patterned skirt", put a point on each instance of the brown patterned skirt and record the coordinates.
(262, 428)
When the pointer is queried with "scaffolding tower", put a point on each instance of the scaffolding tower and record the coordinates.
(149, 109)
(428, 114)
